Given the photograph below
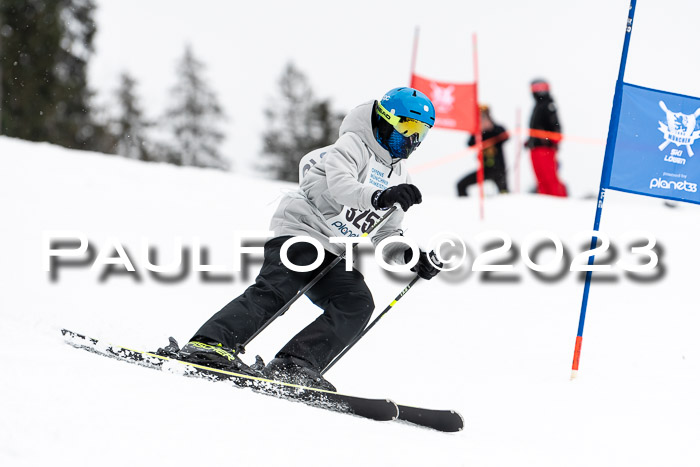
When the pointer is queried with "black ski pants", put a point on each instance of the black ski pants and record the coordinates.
(497, 174)
(343, 295)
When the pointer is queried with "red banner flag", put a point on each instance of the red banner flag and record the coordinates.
(455, 104)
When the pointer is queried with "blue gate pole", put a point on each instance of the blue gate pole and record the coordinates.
(604, 182)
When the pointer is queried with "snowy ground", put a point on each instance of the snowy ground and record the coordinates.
(502, 349)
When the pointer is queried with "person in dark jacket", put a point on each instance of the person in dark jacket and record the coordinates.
(492, 136)
(545, 134)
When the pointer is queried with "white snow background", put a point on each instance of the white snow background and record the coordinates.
(497, 352)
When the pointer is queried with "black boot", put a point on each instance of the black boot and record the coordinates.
(171, 350)
(217, 356)
(293, 370)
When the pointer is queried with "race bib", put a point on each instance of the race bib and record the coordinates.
(352, 222)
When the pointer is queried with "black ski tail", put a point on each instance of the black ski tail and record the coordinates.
(442, 420)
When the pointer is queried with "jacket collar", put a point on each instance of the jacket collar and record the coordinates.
(359, 121)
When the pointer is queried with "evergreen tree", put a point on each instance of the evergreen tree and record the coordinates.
(194, 118)
(44, 51)
(130, 126)
(297, 123)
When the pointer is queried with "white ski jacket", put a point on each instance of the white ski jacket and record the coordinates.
(337, 180)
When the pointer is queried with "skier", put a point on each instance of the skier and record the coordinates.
(545, 134)
(493, 136)
(362, 174)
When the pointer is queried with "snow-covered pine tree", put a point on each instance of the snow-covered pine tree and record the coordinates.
(194, 118)
(130, 125)
(297, 123)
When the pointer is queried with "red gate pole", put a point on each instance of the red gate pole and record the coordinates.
(480, 172)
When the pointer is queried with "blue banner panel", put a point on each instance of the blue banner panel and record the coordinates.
(655, 150)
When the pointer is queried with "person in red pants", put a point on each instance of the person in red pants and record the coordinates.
(545, 134)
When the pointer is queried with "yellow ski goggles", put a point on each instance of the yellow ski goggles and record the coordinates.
(404, 125)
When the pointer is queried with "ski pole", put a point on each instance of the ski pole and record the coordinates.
(303, 290)
(359, 336)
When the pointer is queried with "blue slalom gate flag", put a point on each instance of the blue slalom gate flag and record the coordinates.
(651, 150)
(655, 151)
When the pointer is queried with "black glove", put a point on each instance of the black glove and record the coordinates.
(405, 194)
(427, 266)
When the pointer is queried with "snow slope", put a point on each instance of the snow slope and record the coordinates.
(503, 349)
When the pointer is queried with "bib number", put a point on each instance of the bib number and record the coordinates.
(363, 220)
(353, 222)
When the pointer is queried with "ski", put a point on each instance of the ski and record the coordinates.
(374, 409)
(442, 420)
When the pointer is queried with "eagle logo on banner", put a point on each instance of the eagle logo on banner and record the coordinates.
(455, 103)
(679, 128)
(442, 97)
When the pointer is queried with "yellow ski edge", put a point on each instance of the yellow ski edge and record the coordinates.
(225, 372)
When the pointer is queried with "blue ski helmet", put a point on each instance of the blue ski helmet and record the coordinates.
(401, 121)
